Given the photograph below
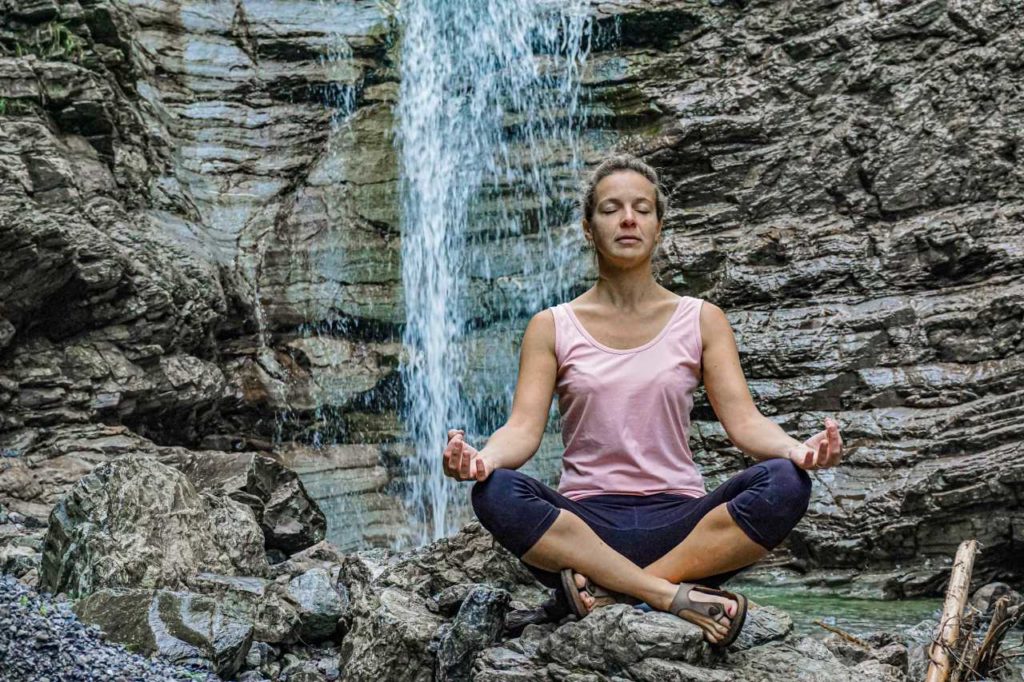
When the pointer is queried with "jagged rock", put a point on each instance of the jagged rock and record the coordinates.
(137, 523)
(618, 636)
(389, 637)
(181, 626)
(290, 519)
(476, 626)
(447, 601)
(43, 466)
(274, 616)
(347, 481)
(620, 642)
(763, 624)
(884, 648)
(470, 556)
(321, 604)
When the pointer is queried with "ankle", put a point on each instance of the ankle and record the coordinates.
(662, 595)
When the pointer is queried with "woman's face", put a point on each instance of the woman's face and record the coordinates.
(624, 226)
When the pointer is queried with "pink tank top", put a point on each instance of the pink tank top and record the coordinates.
(626, 413)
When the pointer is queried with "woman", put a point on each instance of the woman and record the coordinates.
(631, 520)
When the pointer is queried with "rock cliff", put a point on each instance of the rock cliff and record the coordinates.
(183, 185)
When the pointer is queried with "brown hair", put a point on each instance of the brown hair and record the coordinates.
(614, 164)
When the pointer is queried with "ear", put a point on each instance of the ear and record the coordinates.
(586, 230)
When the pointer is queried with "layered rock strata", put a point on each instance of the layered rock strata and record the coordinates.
(175, 198)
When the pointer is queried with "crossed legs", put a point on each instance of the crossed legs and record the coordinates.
(731, 528)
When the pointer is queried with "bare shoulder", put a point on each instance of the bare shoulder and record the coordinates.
(540, 332)
(713, 323)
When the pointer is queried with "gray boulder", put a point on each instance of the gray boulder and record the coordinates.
(321, 605)
(290, 518)
(274, 616)
(137, 523)
(476, 626)
(985, 598)
(180, 626)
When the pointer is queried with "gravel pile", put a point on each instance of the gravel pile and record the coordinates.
(41, 640)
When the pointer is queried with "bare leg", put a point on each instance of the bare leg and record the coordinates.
(716, 545)
(570, 542)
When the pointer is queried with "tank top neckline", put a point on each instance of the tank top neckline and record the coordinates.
(624, 351)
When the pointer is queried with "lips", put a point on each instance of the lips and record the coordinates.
(628, 240)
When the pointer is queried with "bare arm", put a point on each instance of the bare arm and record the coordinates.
(517, 441)
(747, 428)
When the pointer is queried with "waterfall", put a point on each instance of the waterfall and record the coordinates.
(488, 126)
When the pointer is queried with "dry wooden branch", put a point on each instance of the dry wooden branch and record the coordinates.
(1004, 618)
(949, 624)
(856, 641)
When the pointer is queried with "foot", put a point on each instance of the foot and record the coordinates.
(589, 600)
(715, 629)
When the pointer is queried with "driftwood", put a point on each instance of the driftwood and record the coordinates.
(982, 660)
(939, 666)
(846, 636)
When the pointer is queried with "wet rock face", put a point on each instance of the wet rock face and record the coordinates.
(843, 179)
(138, 523)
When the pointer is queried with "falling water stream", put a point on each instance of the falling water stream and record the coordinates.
(488, 126)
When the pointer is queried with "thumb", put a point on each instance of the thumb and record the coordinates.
(481, 468)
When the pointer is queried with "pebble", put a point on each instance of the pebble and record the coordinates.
(41, 640)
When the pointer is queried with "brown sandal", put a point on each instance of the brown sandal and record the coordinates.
(713, 610)
(576, 605)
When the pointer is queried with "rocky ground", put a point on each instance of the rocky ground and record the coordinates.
(43, 641)
(148, 552)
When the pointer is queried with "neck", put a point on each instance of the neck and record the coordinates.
(626, 288)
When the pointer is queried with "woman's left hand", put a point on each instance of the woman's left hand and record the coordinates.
(821, 451)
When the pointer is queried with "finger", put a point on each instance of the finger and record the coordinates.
(464, 462)
(456, 459)
(481, 469)
(821, 456)
(452, 433)
(813, 441)
(808, 459)
(833, 436)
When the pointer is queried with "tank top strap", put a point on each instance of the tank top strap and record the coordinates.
(564, 330)
(686, 326)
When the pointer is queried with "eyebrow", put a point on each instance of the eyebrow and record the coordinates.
(617, 201)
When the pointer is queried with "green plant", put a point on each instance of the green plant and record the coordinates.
(12, 107)
(56, 41)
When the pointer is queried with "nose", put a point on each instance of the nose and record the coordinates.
(628, 218)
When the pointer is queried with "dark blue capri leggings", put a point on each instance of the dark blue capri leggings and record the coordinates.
(766, 501)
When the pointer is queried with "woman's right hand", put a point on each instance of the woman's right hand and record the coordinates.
(462, 461)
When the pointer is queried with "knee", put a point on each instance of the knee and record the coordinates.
(490, 496)
(788, 486)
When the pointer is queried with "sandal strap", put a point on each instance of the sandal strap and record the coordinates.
(601, 593)
(683, 602)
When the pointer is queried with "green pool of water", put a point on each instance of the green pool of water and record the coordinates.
(855, 616)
